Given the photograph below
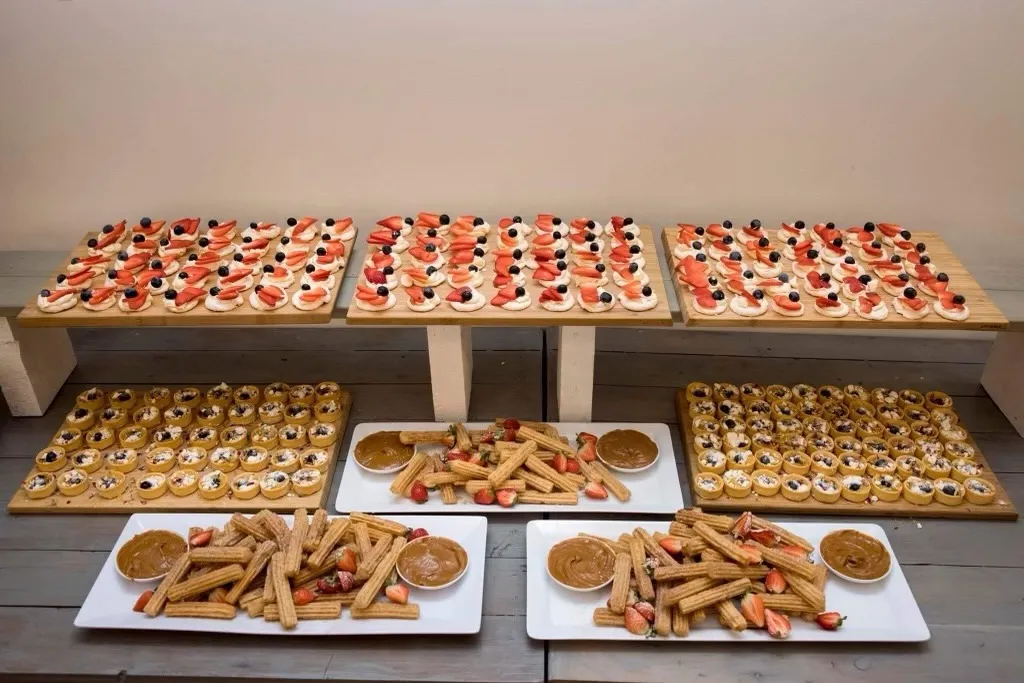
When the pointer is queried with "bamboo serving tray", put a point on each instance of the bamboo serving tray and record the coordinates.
(444, 314)
(128, 502)
(1001, 508)
(985, 315)
(157, 315)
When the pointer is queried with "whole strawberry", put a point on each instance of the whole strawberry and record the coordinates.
(418, 492)
(830, 621)
(417, 533)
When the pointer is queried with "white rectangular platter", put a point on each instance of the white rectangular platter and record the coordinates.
(456, 609)
(654, 491)
(883, 611)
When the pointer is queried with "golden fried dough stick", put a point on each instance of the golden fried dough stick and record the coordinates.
(605, 617)
(380, 574)
(639, 558)
(247, 542)
(277, 527)
(209, 581)
(549, 443)
(681, 571)
(463, 441)
(362, 533)
(159, 598)
(620, 583)
(611, 482)
(681, 530)
(315, 610)
(250, 526)
(785, 602)
(662, 612)
(479, 484)
(786, 535)
(448, 496)
(286, 606)
(616, 546)
(297, 536)
(787, 563)
(698, 616)
(529, 497)
(340, 598)
(229, 555)
(406, 477)
(255, 608)
(689, 588)
(217, 594)
(255, 593)
(713, 595)
(578, 480)
(469, 470)
(411, 438)
(516, 459)
(757, 587)
(256, 565)
(535, 480)
(538, 466)
(654, 549)
(386, 610)
(721, 523)
(369, 561)
(726, 571)
(730, 617)
(229, 536)
(724, 545)
(811, 594)
(335, 530)
(202, 610)
(317, 526)
(435, 479)
(711, 555)
(314, 571)
(589, 472)
(680, 623)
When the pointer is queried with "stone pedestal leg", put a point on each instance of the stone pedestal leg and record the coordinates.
(450, 349)
(34, 362)
(575, 373)
(1003, 378)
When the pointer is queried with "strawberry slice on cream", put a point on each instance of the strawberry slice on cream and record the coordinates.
(952, 306)
(134, 300)
(57, 300)
(910, 305)
(268, 298)
(556, 299)
(99, 299)
(377, 298)
(224, 299)
(184, 300)
(638, 298)
(871, 307)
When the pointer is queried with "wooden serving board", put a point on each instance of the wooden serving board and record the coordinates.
(444, 314)
(128, 502)
(158, 315)
(984, 314)
(1001, 508)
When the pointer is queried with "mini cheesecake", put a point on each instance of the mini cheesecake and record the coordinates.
(825, 488)
(275, 484)
(160, 460)
(151, 486)
(72, 482)
(245, 486)
(109, 484)
(886, 487)
(708, 485)
(978, 491)
(918, 491)
(307, 481)
(254, 458)
(183, 482)
(949, 492)
(766, 482)
(213, 485)
(795, 487)
(738, 483)
(855, 488)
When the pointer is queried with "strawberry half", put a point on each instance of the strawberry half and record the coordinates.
(775, 582)
(595, 491)
(778, 624)
(456, 294)
(752, 609)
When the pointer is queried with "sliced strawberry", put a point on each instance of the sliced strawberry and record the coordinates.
(381, 237)
(463, 242)
(697, 280)
(424, 240)
(716, 230)
(135, 262)
(815, 280)
(142, 601)
(783, 301)
(391, 223)
(295, 256)
(58, 293)
(433, 220)
(222, 229)
(871, 251)
(196, 273)
(623, 272)
(803, 247)
(137, 302)
(484, 497)
(415, 294)
(459, 275)
(595, 491)
(270, 295)
(207, 258)
(456, 294)
(854, 285)
(620, 254)
(550, 294)
(775, 582)
(543, 254)
(590, 294)
(587, 452)
(587, 271)
(752, 609)
(229, 293)
(588, 256)
(874, 298)
(79, 278)
(864, 305)
(376, 277)
(636, 623)
(397, 593)
(185, 295)
(505, 222)
(558, 462)
(893, 280)
(101, 294)
(673, 545)
(236, 275)
(422, 255)
(314, 294)
(257, 244)
(507, 497)
(915, 304)
(461, 258)
(778, 624)
(617, 221)
(633, 290)
(382, 260)
(364, 293)
(704, 297)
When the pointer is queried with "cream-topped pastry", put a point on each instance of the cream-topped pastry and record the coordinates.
(268, 231)
(831, 307)
(871, 307)
(373, 278)
(419, 277)
(317, 278)
(628, 274)
(872, 251)
(731, 266)
(466, 299)
(57, 300)
(134, 301)
(819, 284)
(773, 286)
(594, 299)
(512, 298)
(99, 299)
(226, 299)
(632, 254)
(709, 302)
(853, 287)
(383, 257)
(422, 299)
(235, 276)
(846, 268)
(895, 284)
(184, 300)
(749, 304)
(377, 298)
(590, 275)
(268, 298)
(342, 228)
(808, 263)
(277, 276)
(326, 260)
(422, 257)
(910, 305)
(464, 277)
(788, 305)
(556, 298)
(833, 252)
(771, 269)
(309, 298)
(952, 306)
(637, 298)
(512, 238)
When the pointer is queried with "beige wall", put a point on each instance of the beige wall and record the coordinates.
(846, 110)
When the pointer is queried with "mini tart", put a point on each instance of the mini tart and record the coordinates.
(914, 414)
(761, 424)
(848, 445)
(123, 398)
(188, 396)
(706, 442)
(751, 391)
(896, 428)
(697, 391)
(100, 437)
(307, 481)
(88, 460)
(874, 446)
(887, 487)
(285, 459)
(733, 425)
(274, 484)
(767, 459)
(920, 428)
(322, 434)
(711, 460)
(292, 436)
(203, 437)
(928, 447)
(316, 458)
(958, 449)
(254, 458)
(151, 486)
(855, 392)
(795, 462)
(908, 466)
(219, 395)
(869, 426)
(856, 488)
(297, 414)
(731, 409)
(115, 418)
(882, 395)
(109, 484)
(736, 441)
(978, 491)
(824, 462)
(160, 460)
(705, 425)
(949, 492)
(183, 482)
(782, 409)
(777, 392)
(328, 391)
(708, 485)
(738, 484)
(815, 425)
(242, 414)
(739, 459)
(859, 409)
(918, 491)
(842, 427)
(851, 464)
(271, 412)
(804, 391)
(210, 415)
(937, 399)
(276, 391)
(39, 485)
(193, 458)
(245, 486)
(247, 394)
(303, 394)
(73, 482)
(910, 397)
(795, 487)
(213, 485)
(224, 459)
(328, 410)
(766, 482)
(763, 440)
(955, 433)
(69, 438)
(122, 460)
(888, 412)
(810, 408)
(820, 442)
(80, 419)
(830, 392)
(900, 445)
(880, 465)
(706, 407)
(147, 416)
(832, 410)
(943, 418)
(51, 459)
(264, 436)
(169, 436)
(825, 489)
(91, 399)
(158, 396)
(723, 391)
(133, 437)
(235, 436)
(937, 466)
(788, 425)
(792, 442)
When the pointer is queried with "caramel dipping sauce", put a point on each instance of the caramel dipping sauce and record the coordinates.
(432, 562)
(383, 451)
(151, 554)
(582, 563)
(627, 449)
(855, 555)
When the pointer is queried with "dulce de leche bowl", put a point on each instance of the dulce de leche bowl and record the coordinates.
(432, 562)
(581, 564)
(627, 450)
(149, 555)
(382, 452)
(855, 556)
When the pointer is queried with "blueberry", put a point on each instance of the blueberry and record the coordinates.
(138, 238)
(382, 291)
(478, 252)
(520, 292)
(292, 222)
(727, 239)
(799, 225)
(699, 230)
(466, 295)
(321, 251)
(61, 278)
(514, 270)
(942, 277)
(428, 292)
(727, 224)
(517, 219)
(431, 270)
(431, 232)
(849, 260)
(214, 291)
(735, 256)
(959, 299)
(130, 293)
(600, 267)
(517, 254)
(329, 222)
(925, 260)
(783, 277)
(482, 239)
(556, 235)
(920, 247)
(561, 265)
(309, 268)
(755, 223)
(203, 242)
(833, 296)
(905, 234)
(606, 298)
(825, 277)
(179, 230)
(270, 269)
(591, 225)
(791, 241)
(248, 240)
(830, 226)
(388, 270)
(184, 276)
(171, 294)
(279, 257)
(561, 289)
(701, 258)
(758, 294)
(855, 486)
(560, 254)
(122, 256)
(812, 253)
(774, 257)
(408, 220)
(477, 222)
(589, 237)
(633, 267)
(903, 277)
(794, 296)
(876, 245)
(910, 292)
(748, 274)
(108, 228)
(444, 219)
(949, 490)
(556, 221)
(864, 279)
(646, 291)
(837, 242)
(395, 234)
(253, 225)
(86, 295)
(712, 280)
(386, 249)
(156, 283)
(627, 221)
(430, 248)
(223, 271)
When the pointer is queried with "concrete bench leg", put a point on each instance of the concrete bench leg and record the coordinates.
(1003, 378)
(450, 350)
(575, 373)
(34, 362)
